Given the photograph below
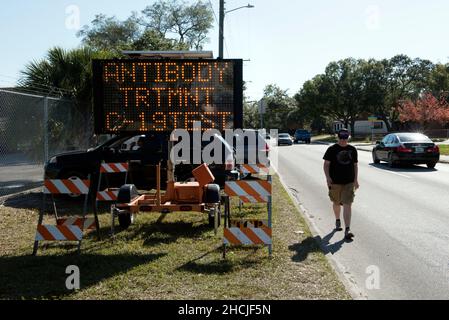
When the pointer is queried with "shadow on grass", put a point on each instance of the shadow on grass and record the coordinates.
(316, 244)
(32, 200)
(44, 276)
(220, 266)
(166, 232)
(64, 204)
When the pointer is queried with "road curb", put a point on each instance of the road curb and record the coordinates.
(351, 287)
(3, 199)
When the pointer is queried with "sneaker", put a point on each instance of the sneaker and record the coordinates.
(338, 225)
(349, 235)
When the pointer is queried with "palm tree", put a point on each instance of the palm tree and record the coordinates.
(66, 74)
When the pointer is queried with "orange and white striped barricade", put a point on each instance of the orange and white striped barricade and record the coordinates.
(258, 168)
(66, 229)
(253, 169)
(110, 194)
(250, 232)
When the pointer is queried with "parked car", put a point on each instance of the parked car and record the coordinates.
(407, 148)
(303, 135)
(142, 152)
(284, 139)
(253, 148)
(222, 171)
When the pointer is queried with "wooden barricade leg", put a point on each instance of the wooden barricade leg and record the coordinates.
(86, 199)
(55, 211)
(112, 220)
(97, 223)
(226, 219)
(269, 208)
(40, 220)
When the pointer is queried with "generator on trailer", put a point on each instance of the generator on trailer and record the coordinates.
(199, 196)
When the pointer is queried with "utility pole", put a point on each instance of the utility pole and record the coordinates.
(221, 30)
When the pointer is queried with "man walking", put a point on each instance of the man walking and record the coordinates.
(341, 170)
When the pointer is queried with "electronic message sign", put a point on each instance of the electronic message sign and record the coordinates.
(143, 95)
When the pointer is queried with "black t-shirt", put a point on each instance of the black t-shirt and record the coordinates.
(342, 161)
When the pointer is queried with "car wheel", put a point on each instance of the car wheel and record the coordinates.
(390, 161)
(375, 159)
(431, 165)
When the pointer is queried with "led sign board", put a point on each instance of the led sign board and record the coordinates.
(143, 95)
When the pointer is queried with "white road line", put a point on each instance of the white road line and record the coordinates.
(395, 173)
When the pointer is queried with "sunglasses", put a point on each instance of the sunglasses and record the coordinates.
(343, 136)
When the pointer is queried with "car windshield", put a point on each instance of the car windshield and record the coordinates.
(284, 135)
(413, 137)
(302, 131)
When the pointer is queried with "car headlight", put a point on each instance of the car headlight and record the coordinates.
(53, 160)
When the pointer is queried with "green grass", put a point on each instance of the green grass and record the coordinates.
(444, 149)
(175, 256)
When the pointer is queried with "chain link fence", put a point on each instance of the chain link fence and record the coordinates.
(33, 128)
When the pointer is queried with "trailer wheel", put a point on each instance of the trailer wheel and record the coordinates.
(125, 220)
(127, 193)
(211, 215)
(212, 194)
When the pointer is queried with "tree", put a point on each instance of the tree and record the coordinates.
(407, 79)
(111, 34)
(151, 40)
(67, 73)
(165, 25)
(439, 79)
(425, 110)
(190, 23)
(350, 89)
(251, 119)
(339, 92)
(308, 100)
(375, 93)
(279, 105)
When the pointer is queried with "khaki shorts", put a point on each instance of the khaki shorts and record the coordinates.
(342, 193)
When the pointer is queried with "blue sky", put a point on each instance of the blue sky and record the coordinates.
(287, 42)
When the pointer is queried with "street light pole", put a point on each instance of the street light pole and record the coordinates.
(221, 30)
(221, 26)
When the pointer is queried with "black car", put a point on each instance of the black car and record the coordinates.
(406, 148)
(142, 152)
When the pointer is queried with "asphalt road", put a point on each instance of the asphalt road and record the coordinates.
(400, 219)
(17, 173)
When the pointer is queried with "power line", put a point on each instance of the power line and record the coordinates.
(36, 85)
(212, 7)
(33, 90)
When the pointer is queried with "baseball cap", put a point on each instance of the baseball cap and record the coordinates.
(343, 134)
